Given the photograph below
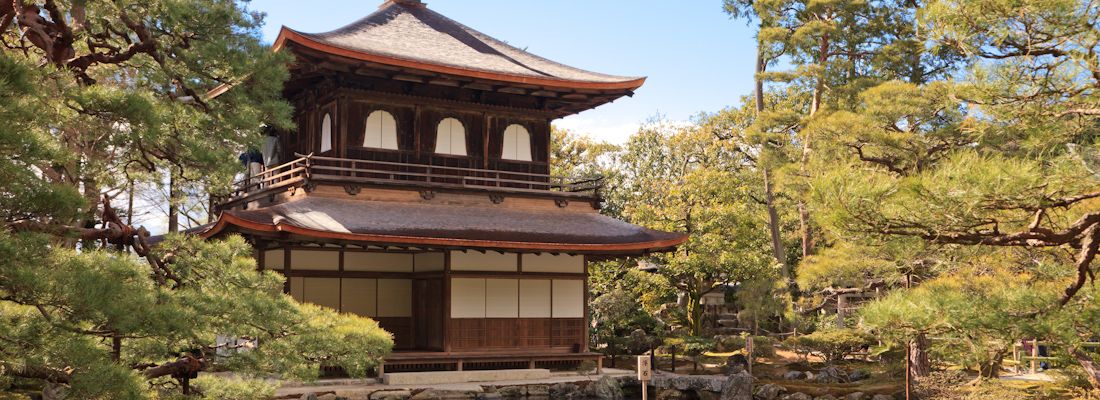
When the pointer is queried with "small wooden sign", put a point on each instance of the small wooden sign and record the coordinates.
(748, 352)
(645, 369)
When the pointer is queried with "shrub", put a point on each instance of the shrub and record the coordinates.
(833, 344)
(763, 346)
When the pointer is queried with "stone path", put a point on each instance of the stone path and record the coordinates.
(362, 388)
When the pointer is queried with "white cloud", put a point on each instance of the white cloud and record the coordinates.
(617, 132)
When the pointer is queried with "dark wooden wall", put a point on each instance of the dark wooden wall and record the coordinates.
(470, 334)
(417, 121)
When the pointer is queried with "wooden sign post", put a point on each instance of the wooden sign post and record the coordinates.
(748, 352)
(645, 373)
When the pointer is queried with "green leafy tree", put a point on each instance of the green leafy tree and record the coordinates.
(97, 96)
(998, 158)
(678, 179)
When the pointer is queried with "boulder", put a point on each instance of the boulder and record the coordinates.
(736, 361)
(856, 396)
(830, 374)
(737, 387)
(825, 397)
(308, 396)
(671, 394)
(328, 396)
(566, 391)
(690, 383)
(882, 397)
(539, 391)
(391, 395)
(798, 396)
(432, 394)
(512, 392)
(794, 375)
(769, 391)
(858, 375)
(606, 388)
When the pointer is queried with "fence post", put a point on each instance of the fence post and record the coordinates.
(1034, 354)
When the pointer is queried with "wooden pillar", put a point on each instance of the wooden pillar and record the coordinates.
(485, 119)
(447, 300)
(587, 316)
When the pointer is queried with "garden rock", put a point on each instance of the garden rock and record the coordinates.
(882, 397)
(671, 394)
(794, 375)
(308, 396)
(444, 395)
(769, 392)
(685, 383)
(606, 388)
(538, 391)
(798, 396)
(735, 362)
(858, 375)
(737, 387)
(391, 395)
(512, 392)
(566, 391)
(830, 374)
(825, 397)
(855, 396)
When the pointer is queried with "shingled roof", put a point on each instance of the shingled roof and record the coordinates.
(440, 225)
(405, 33)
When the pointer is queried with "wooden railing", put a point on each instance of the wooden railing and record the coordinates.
(311, 168)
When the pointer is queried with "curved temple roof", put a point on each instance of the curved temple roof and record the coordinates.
(432, 225)
(405, 33)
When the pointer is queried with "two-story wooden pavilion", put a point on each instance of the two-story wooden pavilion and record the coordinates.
(416, 191)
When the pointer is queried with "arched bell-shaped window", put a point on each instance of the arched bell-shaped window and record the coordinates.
(517, 143)
(326, 133)
(450, 137)
(381, 131)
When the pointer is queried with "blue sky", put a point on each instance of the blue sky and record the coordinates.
(696, 58)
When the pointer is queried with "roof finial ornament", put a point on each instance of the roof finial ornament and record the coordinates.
(406, 3)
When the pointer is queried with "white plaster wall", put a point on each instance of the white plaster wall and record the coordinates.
(534, 298)
(380, 262)
(324, 260)
(553, 263)
(467, 298)
(394, 297)
(360, 296)
(501, 298)
(568, 299)
(487, 261)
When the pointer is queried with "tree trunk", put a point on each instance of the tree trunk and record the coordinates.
(919, 364)
(173, 202)
(992, 368)
(1092, 369)
(769, 194)
(694, 315)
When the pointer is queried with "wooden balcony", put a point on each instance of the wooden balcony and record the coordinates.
(312, 170)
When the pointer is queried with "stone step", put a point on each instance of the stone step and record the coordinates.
(438, 377)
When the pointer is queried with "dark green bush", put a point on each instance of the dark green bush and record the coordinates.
(763, 346)
(833, 344)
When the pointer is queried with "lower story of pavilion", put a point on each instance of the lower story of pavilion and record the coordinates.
(450, 309)
(458, 286)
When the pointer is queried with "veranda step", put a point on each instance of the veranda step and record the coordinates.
(437, 377)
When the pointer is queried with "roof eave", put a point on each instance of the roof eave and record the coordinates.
(289, 35)
(227, 221)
